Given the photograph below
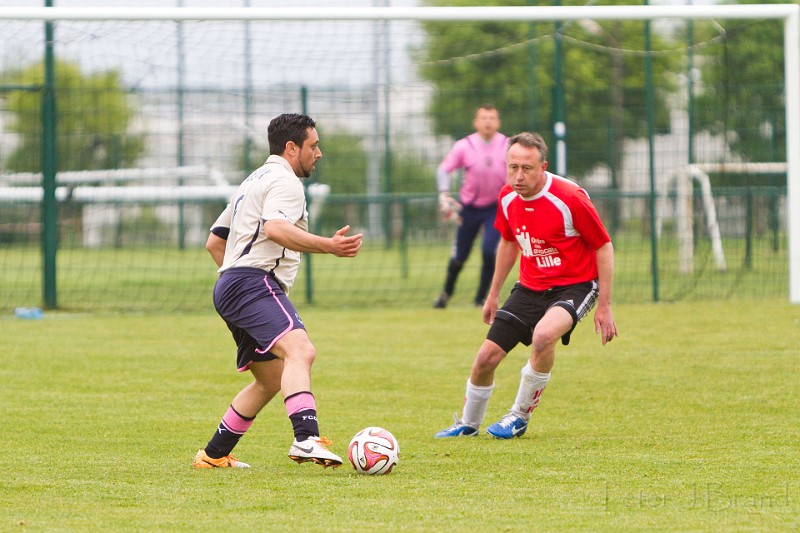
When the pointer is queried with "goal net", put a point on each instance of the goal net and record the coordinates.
(159, 112)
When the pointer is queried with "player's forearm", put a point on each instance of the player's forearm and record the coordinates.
(290, 236)
(442, 180)
(505, 259)
(605, 273)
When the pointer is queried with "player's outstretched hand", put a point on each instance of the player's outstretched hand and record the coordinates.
(343, 245)
(604, 324)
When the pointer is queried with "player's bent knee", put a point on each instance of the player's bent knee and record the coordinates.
(482, 366)
(544, 341)
(306, 355)
(488, 358)
(295, 346)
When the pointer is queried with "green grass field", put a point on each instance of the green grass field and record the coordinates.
(687, 422)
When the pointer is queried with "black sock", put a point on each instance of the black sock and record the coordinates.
(304, 424)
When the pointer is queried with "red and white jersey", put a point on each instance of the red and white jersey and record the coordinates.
(558, 231)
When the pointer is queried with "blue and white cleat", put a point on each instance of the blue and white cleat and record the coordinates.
(458, 429)
(510, 426)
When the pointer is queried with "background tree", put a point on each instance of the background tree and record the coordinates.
(741, 89)
(344, 162)
(512, 65)
(344, 165)
(94, 114)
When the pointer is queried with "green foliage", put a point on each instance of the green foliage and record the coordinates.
(344, 162)
(94, 114)
(410, 174)
(686, 422)
(741, 93)
(514, 69)
(344, 165)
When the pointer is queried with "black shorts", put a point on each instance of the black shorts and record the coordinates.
(524, 308)
(257, 312)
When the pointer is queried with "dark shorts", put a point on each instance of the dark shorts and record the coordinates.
(257, 312)
(515, 321)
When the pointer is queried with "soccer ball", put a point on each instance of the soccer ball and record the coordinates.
(373, 450)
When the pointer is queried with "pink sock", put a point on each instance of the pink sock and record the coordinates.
(236, 423)
(299, 401)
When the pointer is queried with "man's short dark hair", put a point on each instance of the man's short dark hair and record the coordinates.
(530, 140)
(288, 127)
(486, 107)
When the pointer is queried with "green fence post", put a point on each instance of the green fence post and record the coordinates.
(649, 98)
(248, 92)
(748, 230)
(533, 104)
(49, 156)
(774, 216)
(404, 238)
(559, 104)
(181, 67)
(307, 257)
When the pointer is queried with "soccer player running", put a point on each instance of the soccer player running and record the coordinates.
(482, 156)
(567, 266)
(257, 242)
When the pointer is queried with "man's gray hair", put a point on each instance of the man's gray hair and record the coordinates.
(530, 140)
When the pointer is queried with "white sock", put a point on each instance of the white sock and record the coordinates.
(476, 399)
(531, 385)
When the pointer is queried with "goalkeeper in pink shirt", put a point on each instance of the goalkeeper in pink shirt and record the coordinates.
(482, 156)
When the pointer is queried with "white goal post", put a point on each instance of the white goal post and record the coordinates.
(681, 179)
(789, 13)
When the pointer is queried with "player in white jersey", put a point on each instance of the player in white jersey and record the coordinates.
(257, 243)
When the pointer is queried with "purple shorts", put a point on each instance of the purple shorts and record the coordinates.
(257, 312)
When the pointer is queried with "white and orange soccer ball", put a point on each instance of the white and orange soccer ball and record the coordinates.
(373, 450)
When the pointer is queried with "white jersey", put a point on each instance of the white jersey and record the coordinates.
(271, 192)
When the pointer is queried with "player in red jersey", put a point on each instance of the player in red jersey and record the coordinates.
(567, 267)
